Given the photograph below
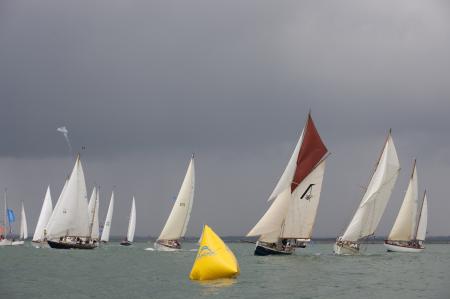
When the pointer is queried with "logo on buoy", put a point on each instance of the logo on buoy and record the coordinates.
(205, 251)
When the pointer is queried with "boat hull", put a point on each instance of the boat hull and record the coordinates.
(396, 248)
(17, 243)
(345, 250)
(261, 250)
(163, 247)
(6, 242)
(65, 245)
(126, 243)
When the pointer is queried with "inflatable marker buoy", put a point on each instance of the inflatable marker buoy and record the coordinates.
(214, 259)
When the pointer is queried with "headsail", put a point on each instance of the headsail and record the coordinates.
(423, 219)
(132, 222)
(177, 222)
(44, 216)
(374, 201)
(404, 228)
(107, 225)
(23, 224)
(70, 216)
(93, 213)
(297, 193)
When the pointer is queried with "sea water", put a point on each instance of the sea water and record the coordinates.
(114, 271)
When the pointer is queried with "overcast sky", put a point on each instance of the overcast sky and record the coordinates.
(143, 84)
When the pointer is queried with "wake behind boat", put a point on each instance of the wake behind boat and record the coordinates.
(289, 221)
(69, 226)
(372, 206)
(176, 224)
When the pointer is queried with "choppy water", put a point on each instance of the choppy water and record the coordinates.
(114, 271)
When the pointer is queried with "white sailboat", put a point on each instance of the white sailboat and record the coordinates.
(68, 226)
(372, 206)
(23, 235)
(178, 220)
(5, 229)
(131, 225)
(403, 236)
(107, 226)
(93, 206)
(289, 221)
(39, 237)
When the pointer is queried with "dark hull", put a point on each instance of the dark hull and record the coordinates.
(62, 245)
(263, 251)
(125, 243)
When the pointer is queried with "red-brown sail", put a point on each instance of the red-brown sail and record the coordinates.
(311, 152)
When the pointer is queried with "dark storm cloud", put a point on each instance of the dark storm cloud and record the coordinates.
(142, 84)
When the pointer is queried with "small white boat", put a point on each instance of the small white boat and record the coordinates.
(409, 230)
(131, 225)
(373, 204)
(23, 228)
(176, 224)
(107, 226)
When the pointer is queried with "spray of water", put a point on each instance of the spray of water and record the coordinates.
(66, 136)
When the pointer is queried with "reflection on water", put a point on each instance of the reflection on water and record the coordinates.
(213, 287)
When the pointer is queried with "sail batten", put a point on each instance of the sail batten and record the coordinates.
(372, 206)
(176, 224)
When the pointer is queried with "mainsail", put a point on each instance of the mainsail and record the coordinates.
(132, 222)
(297, 193)
(405, 225)
(23, 224)
(70, 216)
(177, 223)
(107, 225)
(44, 216)
(423, 219)
(93, 213)
(374, 201)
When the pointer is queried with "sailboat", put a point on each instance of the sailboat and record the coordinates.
(107, 226)
(93, 206)
(367, 217)
(131, 225)
(39, 237)
(404, 234)
(5, 229)
(176, 224)
(68, 226)
(289, 221)
(23, 235)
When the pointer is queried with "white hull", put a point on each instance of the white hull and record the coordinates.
(395, 248)
(5, 242)
(17, 243)
(344, 250)
(40, 244)
(160, 247)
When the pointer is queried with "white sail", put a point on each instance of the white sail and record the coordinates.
(304, 202)
(423, 219)
(107, 225)
(23, 224)
(93, 213)
(177, 222)
(132, 222)
(372, 206)
(70, 216)
(44, 216)
(285, 180)
(270, 225)
(404, 228)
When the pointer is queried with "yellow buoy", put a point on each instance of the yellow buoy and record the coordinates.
(214, 259)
